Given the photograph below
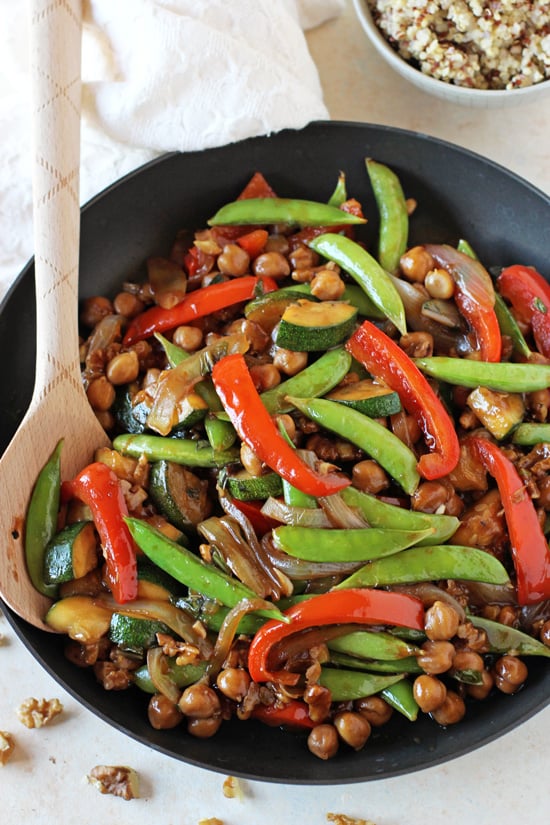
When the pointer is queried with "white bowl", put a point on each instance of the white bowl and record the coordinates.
(482, 98)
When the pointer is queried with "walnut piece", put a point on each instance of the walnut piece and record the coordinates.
(7, 745)
(232, 788)
(342, 819)
(212, 820)
(35, 713)
(118, 780)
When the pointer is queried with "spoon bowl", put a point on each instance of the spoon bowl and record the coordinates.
(59, 407)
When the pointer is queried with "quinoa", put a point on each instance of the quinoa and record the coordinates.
(499, 44)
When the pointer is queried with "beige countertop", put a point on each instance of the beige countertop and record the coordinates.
(504, 782)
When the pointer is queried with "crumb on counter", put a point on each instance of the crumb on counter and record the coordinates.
(480, 44)
(35, 713)
(7, 745)
(213, 820)
(232, 788)
(117, 780)
(342, 819)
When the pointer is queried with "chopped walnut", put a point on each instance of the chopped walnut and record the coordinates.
(184, 652)
(35, 713)
(342, 819)
(111, 676)
(232, 788)
(118, 780)
(212, 820)
(474, 637)
(7, 745)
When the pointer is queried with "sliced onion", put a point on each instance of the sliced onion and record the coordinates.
(442, 312)
(301, 570)
(341, 514)
(157, 665)
(429, 593)
(228, 631)
(105, 333)
(482, 593)
(302, 516)
(470, 275)
(413, 301)
(534, 613)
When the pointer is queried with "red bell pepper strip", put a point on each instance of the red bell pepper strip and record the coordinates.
(98, 487)
(256, 428)
(252, 510)
(385, 359)
(253, 242)
(530, 552)
(257, 187)
(293, 714)
(356, 605)
(529, 294)
(484, 323)
(195, 305)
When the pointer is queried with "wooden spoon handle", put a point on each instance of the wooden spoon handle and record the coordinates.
(56, 29)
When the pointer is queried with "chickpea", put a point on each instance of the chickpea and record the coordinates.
(508, 615)
(288, 361)
(323, 741)
(233, 260)
(441, 621)
(375, 710)
(106, 419)
(303, 257)
(199, 701)
(451, 711)
(265, 376)
(510, 673)
(482, 690)
(429, 497)
(405, 427)
(544, 633)
(250, 460)
(128, 305)
(94, 309)
(203, 728)
(277, 243)
(353, 728)
(417, 344)
(233, 683)
(188, 338)
(101, 394)
(369, 476)
(539, 403)
(327, 285)
(163, 713)
(439, 284)
(272, 265)
(544, 492)
(436, 657)
(415, 263)
(287, 422)
(123, 368)
(429, 692)
(468, 660)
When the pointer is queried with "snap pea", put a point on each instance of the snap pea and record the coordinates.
(366, 270)
(41, 520)
(400, 696)
(370, 644)
(381, 514)
(292, 495)
(357, 297)
(529, 434)
(282, 210)
(340, 193)
(342, 545)
(502, 377)
(347, 685)
(187, 568)
(409, 664)
(379, 442)
(178, 450)
(419, 564)
(505, 639)
(317, 379)
(212, 614)
(509, 326)
(221, 434)
(394, 218)
(174, 354)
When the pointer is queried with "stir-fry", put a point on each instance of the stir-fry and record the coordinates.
(327, 496)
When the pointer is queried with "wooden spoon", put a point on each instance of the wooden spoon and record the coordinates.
(59, 408)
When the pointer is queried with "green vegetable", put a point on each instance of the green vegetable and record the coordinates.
(342, 545)
(307, 326)
(268, 309)
(181, 675)
(347, 685)
(133, 634)
(178, 494)
(41, 520)
(153, 583)
(419, 564)
(394, 218)
(174, 354)
(379, 442)
(408, 664)
(400, 696)
(366, 271)
(316, 379)
(221, 434)
(189, 569)
(180, 451)
(370, 644)
(529, 434)
(71, 553)
(132, 418)
(505, 639)
(509, 326)
(212, 614)
(282, 210)
(498, 412)
(245, 487)
(369, 398)
(340, 195)
(503, 376)
(381, 514)
(356, 295)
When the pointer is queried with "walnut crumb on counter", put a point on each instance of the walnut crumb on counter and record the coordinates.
(7, 744)
(118, 780)
(213, 820)
(232, 788)
(35, 713)
(342, 819)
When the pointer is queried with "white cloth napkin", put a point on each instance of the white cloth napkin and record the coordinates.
(159, 75)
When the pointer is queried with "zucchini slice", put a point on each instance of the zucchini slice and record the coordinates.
(134, 634)
(375, 400)
(131, 418)
(499, 412)
(71, 553)
(245, 487)
(307, 326)
(154, 584)
(191, 410)
(268, 309)
(79, 618)
(180, 495)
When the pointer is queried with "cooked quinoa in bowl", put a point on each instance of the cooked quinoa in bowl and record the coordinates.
(492, 45)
